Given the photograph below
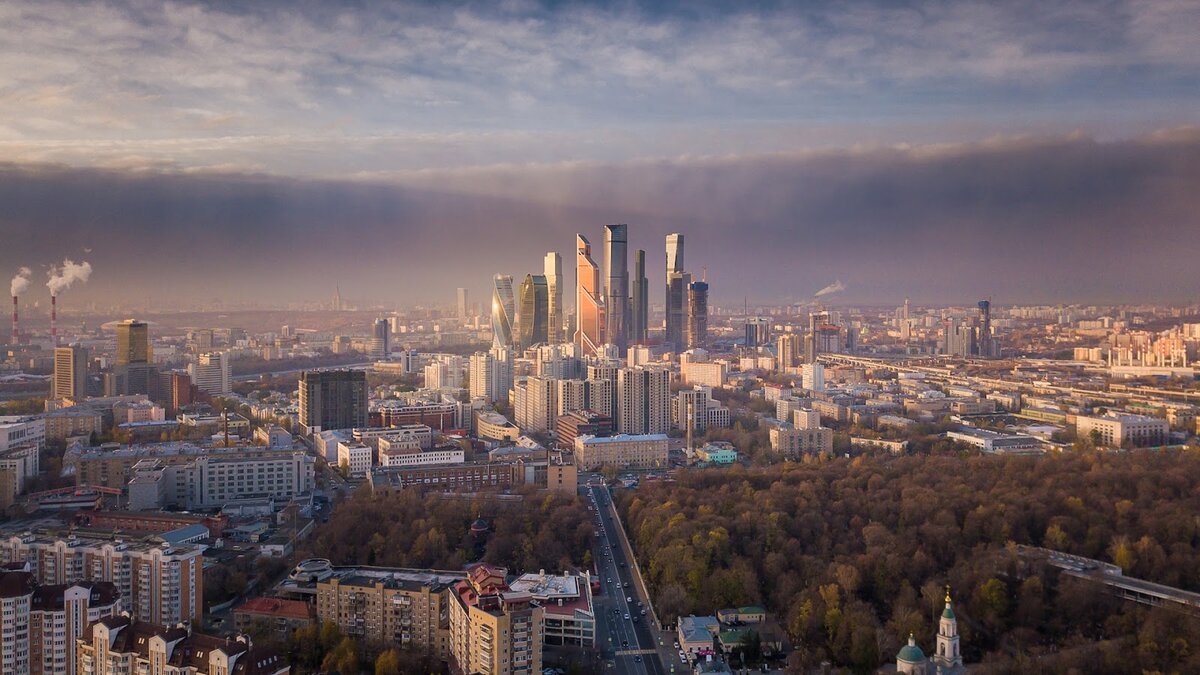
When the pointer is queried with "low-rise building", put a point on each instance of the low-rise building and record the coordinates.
(355, 458)
(995, 442)
(570, 618)
(791, 441)
(622, 450)
(1114, 430)
(399, 455)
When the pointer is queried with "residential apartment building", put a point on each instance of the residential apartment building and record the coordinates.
(493, 630)
(41, 623)
(789, 440)
(122, 645)
(535, 404)
(381, 606)
(157, 583)
(643, 400)
(704, 411)
(622, 450)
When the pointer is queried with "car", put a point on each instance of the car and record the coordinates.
(608, 580)
(682, 656)
(627, 585)
(635, 619)
(626, 617)
(677, 644)
(637, 659)
(629, 599)
(624, 643)
(643, 611)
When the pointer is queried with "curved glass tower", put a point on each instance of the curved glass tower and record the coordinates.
(502, 310)
(589, 306)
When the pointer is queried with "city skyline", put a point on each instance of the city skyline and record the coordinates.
(875, 145)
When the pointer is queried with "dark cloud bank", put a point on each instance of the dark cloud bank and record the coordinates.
(1065, 219)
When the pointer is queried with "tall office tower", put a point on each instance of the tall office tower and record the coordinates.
(535, 309)
(380, 339)
(787, 351)
(639, 301)
(643, 400)
(697, 315)
(757, 331)
(462, 304)
(333, 399)
(210, 373)
(502, 310)
(676, 297)
(589, 304)
(552, 268)
(812, 341)
(616, 285)
(181, 391)
(133, 342)
(985, 342)
(70, 373)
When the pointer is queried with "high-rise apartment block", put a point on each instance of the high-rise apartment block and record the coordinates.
(333, 399)
(643, 400)
(491, 374)
(158, 583)
(70, 373)
(493, 629)
(42, 623)
(788, 351)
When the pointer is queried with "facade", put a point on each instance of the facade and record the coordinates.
(156, 582)
(390, 606)
(503, 310)
(357, 458)
(589, 302)
(438, 415)
(191, 476)
(211, 374)
(380, 344)
(495, 426)
(787, 351)
(42, 623)
(757, 332)
(643, 400)
(125, 646)
(812, 377)
(493, 630)
(583, 422)
(533, 320)
(552, 268)
(333, 399)
(535, 404)
(704, 373)
(622, 450)
(398, 456)
(697, 334)
(133, 343)
(491, 374)
(677, 283)
(792, 441)
(1117, 430)
(569, 617)
(616, 285)
(639, 306)
(70, 373)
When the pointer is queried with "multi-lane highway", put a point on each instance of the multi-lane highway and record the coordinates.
(623, 632)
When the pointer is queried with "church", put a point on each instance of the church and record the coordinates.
(948, 658)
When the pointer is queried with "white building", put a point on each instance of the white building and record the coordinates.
(535, 404)
(491, 375)
(409, 456)
(705, 411)
(703, 372)
(210, 373)
(812, 377)
(356, 457)
(1116, 430)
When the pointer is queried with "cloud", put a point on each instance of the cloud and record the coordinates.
(277, 79)
(1019, 219)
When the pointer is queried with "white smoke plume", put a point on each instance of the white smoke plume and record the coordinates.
(835, 287)
(20, 283)
(62, 277)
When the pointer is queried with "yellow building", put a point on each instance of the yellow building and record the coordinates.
(493, 629)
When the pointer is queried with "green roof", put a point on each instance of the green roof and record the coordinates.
(910, 654)
(948, 613)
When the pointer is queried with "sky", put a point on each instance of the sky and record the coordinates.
(1024, 151)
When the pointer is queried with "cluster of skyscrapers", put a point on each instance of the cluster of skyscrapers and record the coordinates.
(617, 313)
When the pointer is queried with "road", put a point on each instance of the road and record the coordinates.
(626, 636)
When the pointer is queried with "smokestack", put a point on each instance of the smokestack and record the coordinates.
(15, 333)
(54, 320)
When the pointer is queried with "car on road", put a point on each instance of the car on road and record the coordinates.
(682, 656)
(626, 584)
(608, 580)
(626, 617)
(637, 659)
(629, 599)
